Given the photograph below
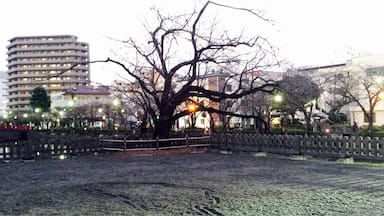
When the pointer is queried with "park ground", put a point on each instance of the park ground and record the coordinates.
(190, 184)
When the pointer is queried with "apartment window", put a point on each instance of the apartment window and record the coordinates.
(229, 103)
(373, 117)
(229, 87)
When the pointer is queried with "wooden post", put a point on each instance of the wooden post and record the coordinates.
(226, 140)
(125, 144)
(366, 146)
(187, 140)
(28, 151)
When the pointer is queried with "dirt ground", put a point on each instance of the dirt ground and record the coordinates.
(190, 184)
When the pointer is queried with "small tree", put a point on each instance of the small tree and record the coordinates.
(40, 100)
(364, 88)
(259, 107)
(299, 92)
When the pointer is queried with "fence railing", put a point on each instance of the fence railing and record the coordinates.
(8, 135)
(48, 145)
(154, 144)
(322, 146)
(45, 145)
(12, 142)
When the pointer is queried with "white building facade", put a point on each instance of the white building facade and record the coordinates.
(330, 76)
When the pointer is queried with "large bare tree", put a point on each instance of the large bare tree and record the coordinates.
(168, 64)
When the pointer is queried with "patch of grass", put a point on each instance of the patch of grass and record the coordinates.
(368, 163)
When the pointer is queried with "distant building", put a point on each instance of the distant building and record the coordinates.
(55, 62)
(3, 93)
(218, 81)
(80, 96)
(87, 106)
(328, 77)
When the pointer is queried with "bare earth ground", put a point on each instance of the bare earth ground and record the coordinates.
(190, 184)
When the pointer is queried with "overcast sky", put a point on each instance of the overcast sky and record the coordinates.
(306, 32)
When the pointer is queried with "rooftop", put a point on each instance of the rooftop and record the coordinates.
(88, 90)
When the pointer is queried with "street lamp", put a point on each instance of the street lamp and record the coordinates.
(116, 102)
(192, 107)
(278, 98)
(71, 103)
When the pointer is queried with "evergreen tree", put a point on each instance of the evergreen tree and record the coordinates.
(40, 99)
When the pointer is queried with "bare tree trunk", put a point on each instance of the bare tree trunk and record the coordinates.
(307, 122)
(211, 123)
(162, 128)
(370, 124)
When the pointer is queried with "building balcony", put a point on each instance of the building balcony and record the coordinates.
(51, 84)
(20, 110)
(45, 70)
(47, 48)
(40, 40)
(23, 88)
(47, 61)
(13, 103)
(59, 54)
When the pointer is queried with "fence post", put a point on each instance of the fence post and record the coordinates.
(28, 151)
(226, 140)
(187, 140)
(125, 144)
(157, 143)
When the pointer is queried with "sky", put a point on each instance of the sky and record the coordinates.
(307, 33)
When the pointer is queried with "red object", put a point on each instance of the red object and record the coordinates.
(14, 128)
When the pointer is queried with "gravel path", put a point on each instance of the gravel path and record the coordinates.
(190, 184)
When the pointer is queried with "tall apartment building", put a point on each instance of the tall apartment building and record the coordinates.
(55, 62)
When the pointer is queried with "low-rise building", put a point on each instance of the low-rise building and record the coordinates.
(329, 78)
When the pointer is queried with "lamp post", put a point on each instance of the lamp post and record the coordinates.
(38, 117)
(115, 113)
(124, 115)
(279, 99)
(100, 113)
(192, 108)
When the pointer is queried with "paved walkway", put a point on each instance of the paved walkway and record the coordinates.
(190, 184)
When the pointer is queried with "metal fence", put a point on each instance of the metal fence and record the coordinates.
(322, 146)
